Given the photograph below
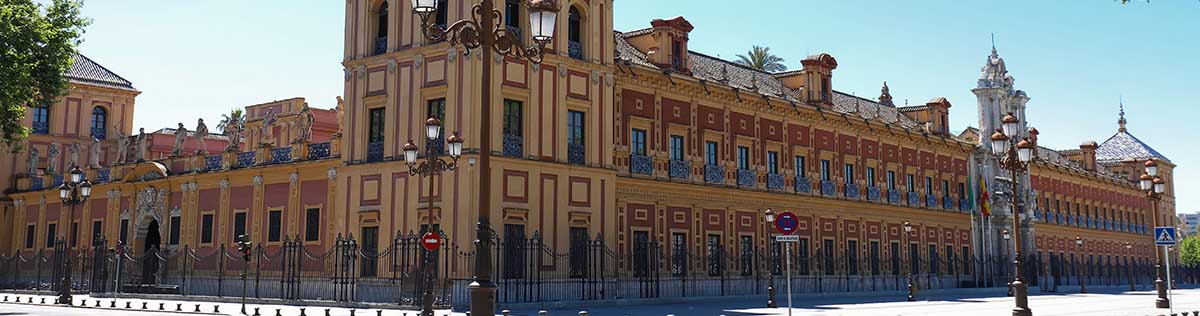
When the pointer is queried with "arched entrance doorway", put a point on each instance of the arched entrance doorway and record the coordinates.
(150, 251)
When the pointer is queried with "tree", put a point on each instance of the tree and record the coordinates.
(1189, 251)
(761, 58)
(226, 118)
(37, 45)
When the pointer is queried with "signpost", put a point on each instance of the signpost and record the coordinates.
(431, 241)
(1164, 236)
(787, 223)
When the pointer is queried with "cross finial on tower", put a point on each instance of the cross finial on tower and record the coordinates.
(994, 44)
(1121, 120)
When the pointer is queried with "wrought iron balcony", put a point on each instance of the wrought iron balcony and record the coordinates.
(514, 146)
(576, 154)
(35, 183)
(375, 152)
(575, 50)
(775, 181)
(641, 164)
(380, 45)
(803, 185)
(100, 133)
(850, 190)
(827, 188)
(893, 196)
(56, 181)
(931, 201)
(714, 174)
(964, 205)
(680, 169)
(516, 31)
(948, 203)
(747, 178)
(213, 162)
(873, 193)
(281, 155)
(41, 127)
(102, 175)
(318, 151)
(246, 159)
(914, 199)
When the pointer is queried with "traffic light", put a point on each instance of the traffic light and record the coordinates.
(244, 247)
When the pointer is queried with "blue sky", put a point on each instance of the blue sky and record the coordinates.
(1075, 59)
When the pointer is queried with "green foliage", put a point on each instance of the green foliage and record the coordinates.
(1189, 251)
(37, 44)
(761, 58)
(226, 118)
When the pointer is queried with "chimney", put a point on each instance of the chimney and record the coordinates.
(1088, 151)
(818, 78)
(671, 40)
(937, 115)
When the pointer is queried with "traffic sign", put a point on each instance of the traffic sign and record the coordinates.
(431, 241)
(787, 238)
(1164, 236)
(786, 223)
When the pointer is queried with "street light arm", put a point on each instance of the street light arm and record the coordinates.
(464, 32)
(433, 166)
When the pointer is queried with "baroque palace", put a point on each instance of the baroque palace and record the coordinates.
(630, 167)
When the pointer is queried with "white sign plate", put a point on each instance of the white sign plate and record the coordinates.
(787, 238)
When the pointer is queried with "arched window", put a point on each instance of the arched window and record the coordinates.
(99, 121)
(41, 120)
(575, 33)
(381, 29)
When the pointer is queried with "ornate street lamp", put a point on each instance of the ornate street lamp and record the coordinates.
(1005, 234)
(771, 303)
(433, 165)
(73, 193)
(1015, 157)
(1079, 271)
(1154, 187)
(482, 32)
(912, 288)
(1128, 266)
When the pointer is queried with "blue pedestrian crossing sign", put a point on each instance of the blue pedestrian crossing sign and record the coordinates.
(1164, 236)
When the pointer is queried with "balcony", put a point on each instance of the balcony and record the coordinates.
(213, 162)
(680, 169)
(747, 178)
(281, 155)
(850, 190)
(827, 188)
(575, 50)
(318, 151)
(641, 164)
(873, 194)
(35, 183)
(245, 159)
(514, 146)
(102, 175)
(99, 133)
(576, 154)
(380, 45)
(375, 152)
(893, 196)
(931, 201)
(964, 205)
(775, 181)
(803, 185)
(947, 203)
(714, 174)
(41, 127)
(914, 199)
(56, 181)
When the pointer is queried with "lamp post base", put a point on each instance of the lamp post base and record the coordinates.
(483, 297)
(1162, 301)
(1022, 299)
(64, 290)
(771, 303)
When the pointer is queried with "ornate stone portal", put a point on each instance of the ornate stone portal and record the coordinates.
(151, 206)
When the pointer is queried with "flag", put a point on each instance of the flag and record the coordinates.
(971, 199)
(983, 198)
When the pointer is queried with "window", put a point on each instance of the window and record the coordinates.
(50, 234)
(710, 153)
(370, 251)
(175, 225)
(514, 257)
(676, 54)
(743, 158)
(97, 229)
(891, 180)
(910, 183)
(580, 242)
(950, 260)
(928, 185)
(773, 162)
(962, 190)
(637, 142)
(206, 228)
(125, 230)
(99, 122)
(894, 249)
(239, 225)
(512, 15)
(676, 147)
(827, 257)
(747, 257)
(437, 109)
(443, 15)
(30, 235)
(381, 24)
(945, 188)
(825, 88)
(575, 33)
(800, 165)
(849, 173)
(825, 176)
(679, 254)
(375, 125)
(802, 251)
(575, 128)
(933, 259)
(714, 255)
(641, 253)
(41, 120)
(74, 234)
(871, 176)
(966, 259)
(914, 259)
(513, 118)
(851, 257)
(274, 225)
(312, 224)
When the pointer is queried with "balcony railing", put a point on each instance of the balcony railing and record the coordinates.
(246, 159)
(575, 50)
(947, 203)
(873, 194)
(893, 196)
(931, 201)
(641, 164)
(576, 154)
(281, 155)
(914, 199)
(714, 174)
(680, 169)
(514, 146)
(35, 183)
(746, 178)
(380, 45)
(56, 181)
(99, 133)
(318, 151)
(803, 185)
(827, 188)
(775, 181)
(213, 162)
(964, 205)
(102, 175)
(850, 190)
(41, 127)
(375, 152)
(515, 31)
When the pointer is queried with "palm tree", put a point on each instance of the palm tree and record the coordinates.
(226, 118)
(761, 58)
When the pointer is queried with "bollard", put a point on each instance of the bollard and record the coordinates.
(216, 308)
(326, 312)
(302, 312)
(113, 305)
(505, 312)
(583, 313)
(351, 312)
(197, 308)
(542, 313)
(256, 312)
(278, 312)
(97, 303)
(179, 307)
(143, 305)
(160, 306)
(6, 298)
(43, 300)
(83, 302)
(379, 312)
(127, 304)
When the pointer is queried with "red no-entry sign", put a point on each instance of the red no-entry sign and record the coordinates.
(431, 241)
(786, 223)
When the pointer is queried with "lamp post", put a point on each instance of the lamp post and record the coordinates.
(1129, 250)
(1079, 271)
(771, 303)
(243, 244)
(1005, 234)
(912, 288)
(1153, 185)
(482, 32)
(1015, 157)
(73, 193)
(433, 165)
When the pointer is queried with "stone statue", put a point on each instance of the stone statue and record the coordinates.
(201, 134)
(233, 130)
(338, 112)
(52, 159)
(94, 154)
(142, 145)
(73, 154)
(180, 136)
(122, 150)
(268, 126)
(305, 124)
(33, 161)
